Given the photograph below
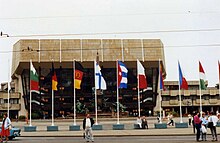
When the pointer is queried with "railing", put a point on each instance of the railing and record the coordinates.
(4, 106)
(189, 92)
(4, 95)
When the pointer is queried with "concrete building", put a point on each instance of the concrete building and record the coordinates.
(107, 51)
(14, 100)
(190, 98)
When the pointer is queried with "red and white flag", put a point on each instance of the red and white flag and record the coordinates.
(141, 76)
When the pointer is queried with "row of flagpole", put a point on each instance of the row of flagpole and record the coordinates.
(161, 88)
(95, 71)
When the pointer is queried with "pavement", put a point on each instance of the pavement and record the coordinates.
(63, 125)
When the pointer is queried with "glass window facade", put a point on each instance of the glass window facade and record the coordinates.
(85, 95)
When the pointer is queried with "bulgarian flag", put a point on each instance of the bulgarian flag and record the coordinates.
(202, 76)
(34, 79)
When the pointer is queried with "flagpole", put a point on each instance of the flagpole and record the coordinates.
(139, 105)
(52, 108)
(200, 95)
(60, 51)
(52, 103)
(96, 112)
(180, 100)
(160, 92)
(74, 94)
(117, 94)
(30, 94)
(8, 85)
(219, 78)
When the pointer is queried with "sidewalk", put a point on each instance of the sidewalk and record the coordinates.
(64, 124)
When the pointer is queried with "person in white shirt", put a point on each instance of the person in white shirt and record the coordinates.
(190, 119)
(139, 122)
(214, 119)
(87, 126)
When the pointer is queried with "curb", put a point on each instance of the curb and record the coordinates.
(115, 135)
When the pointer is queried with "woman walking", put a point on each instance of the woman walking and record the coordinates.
(5, 128)
(197, 122)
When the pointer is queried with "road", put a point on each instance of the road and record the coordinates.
(131, 139)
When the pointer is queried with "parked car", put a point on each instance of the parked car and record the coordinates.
(14, 132)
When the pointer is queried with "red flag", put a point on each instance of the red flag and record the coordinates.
(141, 76)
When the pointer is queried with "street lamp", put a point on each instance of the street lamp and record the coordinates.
(2, 34)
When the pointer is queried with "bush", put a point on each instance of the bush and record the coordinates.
(22, 117)
(175, 114)
(35, 116)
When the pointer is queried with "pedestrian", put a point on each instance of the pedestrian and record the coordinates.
(87, 127)
(16, 117)
(139, 122)
(170, 119)
(194, 128)
(204, 120)
(197, 122)
(212, 122)
(144, 122)
(6, 125)
(190, 119)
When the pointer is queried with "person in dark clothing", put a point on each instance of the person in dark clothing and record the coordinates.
(144, 123)
(87, 127)
(197, 122)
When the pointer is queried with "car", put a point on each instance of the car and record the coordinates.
(14, 132)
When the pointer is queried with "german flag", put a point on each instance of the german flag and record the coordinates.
(78, 75)
(54, 79)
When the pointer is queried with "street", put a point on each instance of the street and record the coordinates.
(130, 139)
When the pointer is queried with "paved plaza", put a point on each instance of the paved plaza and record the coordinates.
(131, 139)
(63, 125)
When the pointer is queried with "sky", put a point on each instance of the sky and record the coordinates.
(189, 29)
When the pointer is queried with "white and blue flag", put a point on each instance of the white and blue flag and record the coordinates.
(99, 80)
(122, 75)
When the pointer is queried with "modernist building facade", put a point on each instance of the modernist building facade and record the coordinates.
(190, 98)
(106, 51)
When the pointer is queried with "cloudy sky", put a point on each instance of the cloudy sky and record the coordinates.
(189, 29)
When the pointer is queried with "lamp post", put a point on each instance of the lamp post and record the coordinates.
(3, 34)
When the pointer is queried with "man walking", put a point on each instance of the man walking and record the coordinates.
(87, 126)
(213, 119)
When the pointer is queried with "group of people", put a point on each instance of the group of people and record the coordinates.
(142, 122)
(88, 123)
(202, 122)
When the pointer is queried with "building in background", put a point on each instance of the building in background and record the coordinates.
(14, 101)
(190, 98)
(107, 51)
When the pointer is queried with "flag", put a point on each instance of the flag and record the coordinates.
(122, 75)
(141, 76)
(202, 76)
(182, 80)
(99, 80)
(161, 78)
(78, 75)
(34, 79)
(54, 79)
